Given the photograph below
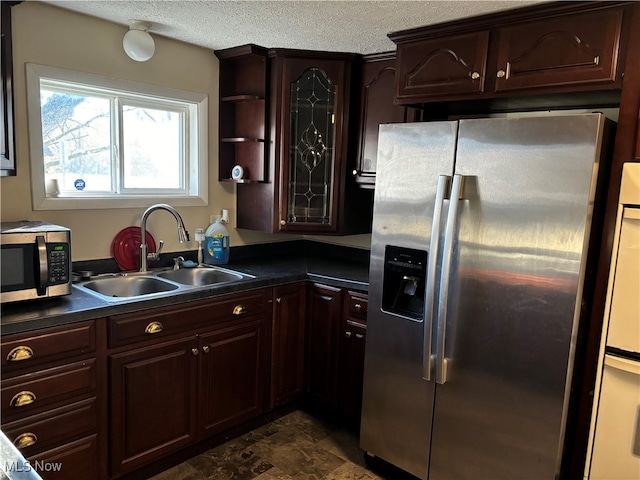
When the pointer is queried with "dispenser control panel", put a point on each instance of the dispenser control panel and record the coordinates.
(404, 281)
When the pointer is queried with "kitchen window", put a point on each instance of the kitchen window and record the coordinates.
(99, 142)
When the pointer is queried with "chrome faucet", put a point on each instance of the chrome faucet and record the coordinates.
(183, 235)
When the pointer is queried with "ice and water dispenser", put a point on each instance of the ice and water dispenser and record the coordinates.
(403, 285)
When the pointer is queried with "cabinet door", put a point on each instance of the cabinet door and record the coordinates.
(76, 460)
(323, 317)
(314, 125)
(153, 402)
(377, 95)
(441, 68)
(351, 369)
(232, 375)
(287, 347)
(574, 50)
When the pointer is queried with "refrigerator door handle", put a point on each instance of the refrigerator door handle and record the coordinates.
(452, 218)
(430, 283)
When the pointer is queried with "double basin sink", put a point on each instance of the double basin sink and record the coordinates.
(126, 286)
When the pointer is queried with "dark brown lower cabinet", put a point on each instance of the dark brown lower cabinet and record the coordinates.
(184, 387)
(287, 343)
(73, 461)
(324, 310)
(153, 402)
(336, 336)
(232, 375)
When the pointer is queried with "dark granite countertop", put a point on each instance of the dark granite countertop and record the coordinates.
(333, 268)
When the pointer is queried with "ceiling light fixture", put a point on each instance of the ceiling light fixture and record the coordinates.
(137, 42)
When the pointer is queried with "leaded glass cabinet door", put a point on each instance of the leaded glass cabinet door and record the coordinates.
(314, 144)
(311, 144)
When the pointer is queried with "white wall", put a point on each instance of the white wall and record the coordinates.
(48, 35)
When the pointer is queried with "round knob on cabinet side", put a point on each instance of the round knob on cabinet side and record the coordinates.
(283, 222)
(206, 349)
(194, 351)
(501, 73)
(475, 76)
(347, 334)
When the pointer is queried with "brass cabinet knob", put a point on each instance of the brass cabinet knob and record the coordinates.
(239, 310)
(283, 222)
(357, 306)
(359, 336)
(206, 349)
(154, 327)
(194, 351)
(347, 334)
(279, 300)
(355, 172)
(25, 440)
(475, 76)
(20, 353)
(23, 398)
(501, 73)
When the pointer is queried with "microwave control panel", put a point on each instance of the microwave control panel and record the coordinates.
(58, 259)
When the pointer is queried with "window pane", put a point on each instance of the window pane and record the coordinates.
(152, 148)
(76, 141)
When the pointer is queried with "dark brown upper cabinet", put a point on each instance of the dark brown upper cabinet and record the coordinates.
(377, 95)
(309, 189)
(544, 49)
(7, 132)
(443, 66)
(572, 50)
(243, 108)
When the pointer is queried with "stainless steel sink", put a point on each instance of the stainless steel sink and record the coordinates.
(201, 276)
(129, 286)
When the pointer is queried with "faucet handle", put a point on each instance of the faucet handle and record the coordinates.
(153, 256)
(177, 262)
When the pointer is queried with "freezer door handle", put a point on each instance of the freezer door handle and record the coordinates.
(449, 233)
(430, 283)
(624, 364)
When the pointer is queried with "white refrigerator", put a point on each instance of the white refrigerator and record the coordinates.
(614, 447)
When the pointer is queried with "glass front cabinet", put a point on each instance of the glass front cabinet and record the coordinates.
(311, 95)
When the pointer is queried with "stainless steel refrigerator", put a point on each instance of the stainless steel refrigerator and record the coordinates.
(478, 252)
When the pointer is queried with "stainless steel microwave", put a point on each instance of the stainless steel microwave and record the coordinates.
(35, 262)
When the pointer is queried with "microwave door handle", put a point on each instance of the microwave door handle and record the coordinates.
(43, 265)
(430, 284)
(452, 218)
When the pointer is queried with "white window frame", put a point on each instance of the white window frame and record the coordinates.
(195, 134)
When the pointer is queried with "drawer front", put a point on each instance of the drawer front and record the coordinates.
(356, 306)
(53, 428)
(77, 460)
(162, 322)
(53, 387)
(23, 351)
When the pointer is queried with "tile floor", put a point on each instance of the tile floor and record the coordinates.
(293, 447)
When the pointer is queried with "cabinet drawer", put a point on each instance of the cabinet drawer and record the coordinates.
(136, 327)
(53, 428)
(77, 460)
(35, 392)
(26, 350)
(356, 306)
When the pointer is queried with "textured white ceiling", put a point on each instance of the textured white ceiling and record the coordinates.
(347, 26)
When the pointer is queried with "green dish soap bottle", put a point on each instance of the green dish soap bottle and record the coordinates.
(216, 244)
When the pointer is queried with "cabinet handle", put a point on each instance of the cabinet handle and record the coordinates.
(355, 173)
(25, 440)
(20, 353)
(357, 306)
(359, 336)
(501, 73)
(239, 310)
(279, 300)
(23, 398)
(283, 222)
(206, 349)
(347, 334)
(154, 327)
(194, 351)
(475, 76)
